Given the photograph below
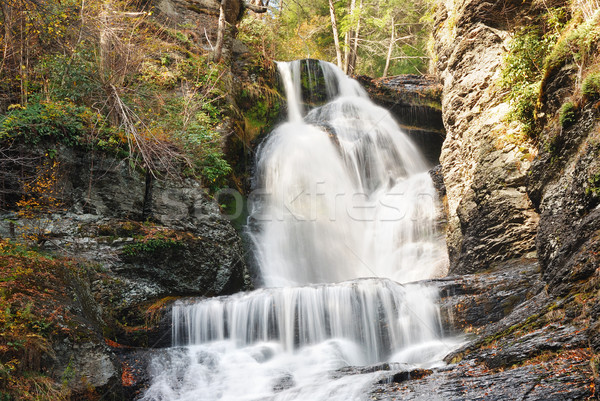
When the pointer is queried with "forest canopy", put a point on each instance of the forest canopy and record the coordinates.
(371, 37)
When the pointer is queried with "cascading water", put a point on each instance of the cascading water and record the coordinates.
(345, 212)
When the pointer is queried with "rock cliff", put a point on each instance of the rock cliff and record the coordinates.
(138, 250)
(523, 209)
(490, 215)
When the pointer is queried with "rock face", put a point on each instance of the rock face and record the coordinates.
(189, 249)
(490, 216)
(563, 185)
(184, 247)
(520, 209)
(521, 343)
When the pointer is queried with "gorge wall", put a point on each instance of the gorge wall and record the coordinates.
(90, 282)
(490, 215)
(514, 195)
(523, 204)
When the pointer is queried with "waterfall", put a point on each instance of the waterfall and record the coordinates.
(344, 218)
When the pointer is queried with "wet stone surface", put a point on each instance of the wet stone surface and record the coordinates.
(565, 378)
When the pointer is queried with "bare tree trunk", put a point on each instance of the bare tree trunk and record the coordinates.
(221, 31)
(348, 42)
(390, 48)
(354, 52)
(336, 39)
(346, 51)
(7, 39)
(257, 6)
(104, 43)
(23, 59)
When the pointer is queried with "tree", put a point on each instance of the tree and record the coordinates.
(355, 34)
(336, 36)
(256, 6)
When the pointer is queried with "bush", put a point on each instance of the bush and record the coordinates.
(151, 246)
(568, 114)
(60, 122)
(72, 77)
(204, 145)
(593, 186)
(591, 86)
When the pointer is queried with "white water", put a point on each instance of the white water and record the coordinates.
(345, 212)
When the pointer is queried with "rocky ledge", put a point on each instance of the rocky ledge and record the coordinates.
(520, 343)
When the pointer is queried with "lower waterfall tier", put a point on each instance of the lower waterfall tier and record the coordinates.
(290, 343)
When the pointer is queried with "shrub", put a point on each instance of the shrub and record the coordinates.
(568, 114)
(150, 246)
(576, 44)
(72, 77)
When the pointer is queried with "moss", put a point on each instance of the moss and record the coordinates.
(522, 75)
(568, 114)
(590, 88)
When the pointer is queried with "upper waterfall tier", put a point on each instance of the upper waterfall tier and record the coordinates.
(342, 192)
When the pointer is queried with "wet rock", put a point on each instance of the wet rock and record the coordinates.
(562, 185)
(510, 351)
(533, 353)
(186, 248)
(90, 364)
(438, 181)
(563, 379)
(475, 301)
(283, 383)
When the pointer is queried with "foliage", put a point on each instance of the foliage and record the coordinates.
(258, 33)
(302, 29)
(69, 77)
(55, 121)
(31, 292)
(190, 119)
(99, 74)
(590, 87)
(151, 246)
(576, 44)
(41, 197)
(522, 74)
(148, 238)
(593, 185)
(568, 114)
(258, 100)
